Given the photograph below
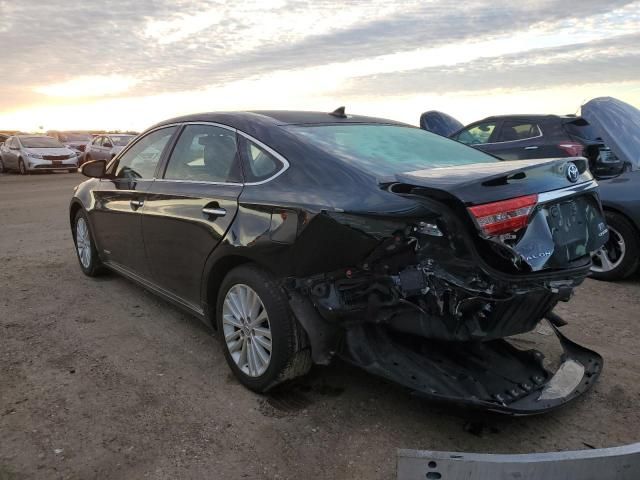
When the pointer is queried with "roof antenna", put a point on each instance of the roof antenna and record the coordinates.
(339, 112)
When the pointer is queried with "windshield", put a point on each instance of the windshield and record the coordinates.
(74, 137)
(40, 142)
(389, 149)
(122, 140)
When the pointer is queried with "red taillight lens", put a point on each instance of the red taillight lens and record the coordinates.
(572, 149)
(505, 216)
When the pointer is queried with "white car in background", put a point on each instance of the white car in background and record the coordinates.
(30, 153)
(106, 146)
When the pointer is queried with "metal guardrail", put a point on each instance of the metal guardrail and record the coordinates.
(618, 463)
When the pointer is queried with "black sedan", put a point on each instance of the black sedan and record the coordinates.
(301, 236)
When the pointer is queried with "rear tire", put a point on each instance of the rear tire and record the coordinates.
(86, 251)
(252, 307)
(620, 256)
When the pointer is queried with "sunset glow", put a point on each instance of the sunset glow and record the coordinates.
(377, 58)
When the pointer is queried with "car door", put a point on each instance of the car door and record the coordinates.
(12, 153)
(518, 140)
(92, 149)
(119, 202)
(107, 145)
(188, 211)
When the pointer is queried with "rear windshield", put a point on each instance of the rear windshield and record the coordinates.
(121, 140)
(40, 142)
(389, 149)
(581, 129)
(74, 137)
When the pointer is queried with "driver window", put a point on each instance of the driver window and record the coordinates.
(205, 153)
(477, 134)
(106, 142)
(141, 160)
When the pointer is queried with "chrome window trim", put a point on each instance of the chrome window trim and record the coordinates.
(280, 157)
(203, 182)
(545, 197)
(284, 161)
(511, 141)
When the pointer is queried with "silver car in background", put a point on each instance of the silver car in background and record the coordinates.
(30, 153)
(106, 146)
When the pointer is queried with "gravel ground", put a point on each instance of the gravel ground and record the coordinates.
(100, 379)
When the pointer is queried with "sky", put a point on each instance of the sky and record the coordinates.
(129, 64)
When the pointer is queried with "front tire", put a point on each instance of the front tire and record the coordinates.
(21, 167)
(262, 341)
(620, 256)
(2, 170)
(85, 247)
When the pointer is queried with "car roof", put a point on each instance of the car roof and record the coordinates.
(535, 116)
(275, 118)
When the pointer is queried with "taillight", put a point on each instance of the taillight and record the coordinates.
(505, 216)
(573, 149)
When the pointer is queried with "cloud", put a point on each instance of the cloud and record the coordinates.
(89, 86)
(610, 60)
(297, 49)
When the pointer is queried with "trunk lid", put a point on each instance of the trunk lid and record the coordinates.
(618, 124)
(490, 182)
(439, 123)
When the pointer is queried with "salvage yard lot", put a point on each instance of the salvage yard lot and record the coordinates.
(100, 379)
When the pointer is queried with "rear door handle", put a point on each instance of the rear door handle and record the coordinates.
(531, 148)
(214, 212)
(136, 204)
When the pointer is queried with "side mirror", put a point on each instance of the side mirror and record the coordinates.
(94, 169)
(107, 145)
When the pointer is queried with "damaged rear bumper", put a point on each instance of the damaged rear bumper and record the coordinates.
(493, 375)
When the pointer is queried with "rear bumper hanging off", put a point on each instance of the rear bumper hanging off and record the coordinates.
(492, 375)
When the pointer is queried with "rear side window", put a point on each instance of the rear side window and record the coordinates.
(142, 159)
(477, 134)
(205, 153)
(513, 131)
(259, 163)
(388, 149)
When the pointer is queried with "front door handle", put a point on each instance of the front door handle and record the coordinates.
(531, 148)
(136, 204)
(214, 212)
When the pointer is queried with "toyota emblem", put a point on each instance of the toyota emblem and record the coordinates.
(572, 172)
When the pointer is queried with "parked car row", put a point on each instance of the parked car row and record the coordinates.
(30, 153)
(606, 134)
(24, 153)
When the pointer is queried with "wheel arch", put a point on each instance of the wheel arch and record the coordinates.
(74, 208)
(213, 280)
(622, 213)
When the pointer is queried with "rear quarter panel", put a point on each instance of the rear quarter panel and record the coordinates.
(622, 194)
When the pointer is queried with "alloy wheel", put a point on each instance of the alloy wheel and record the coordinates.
(611, 254)
(83, 242)
(22, 168)
(246, 330)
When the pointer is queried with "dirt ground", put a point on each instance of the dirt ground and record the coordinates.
(100, 379)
